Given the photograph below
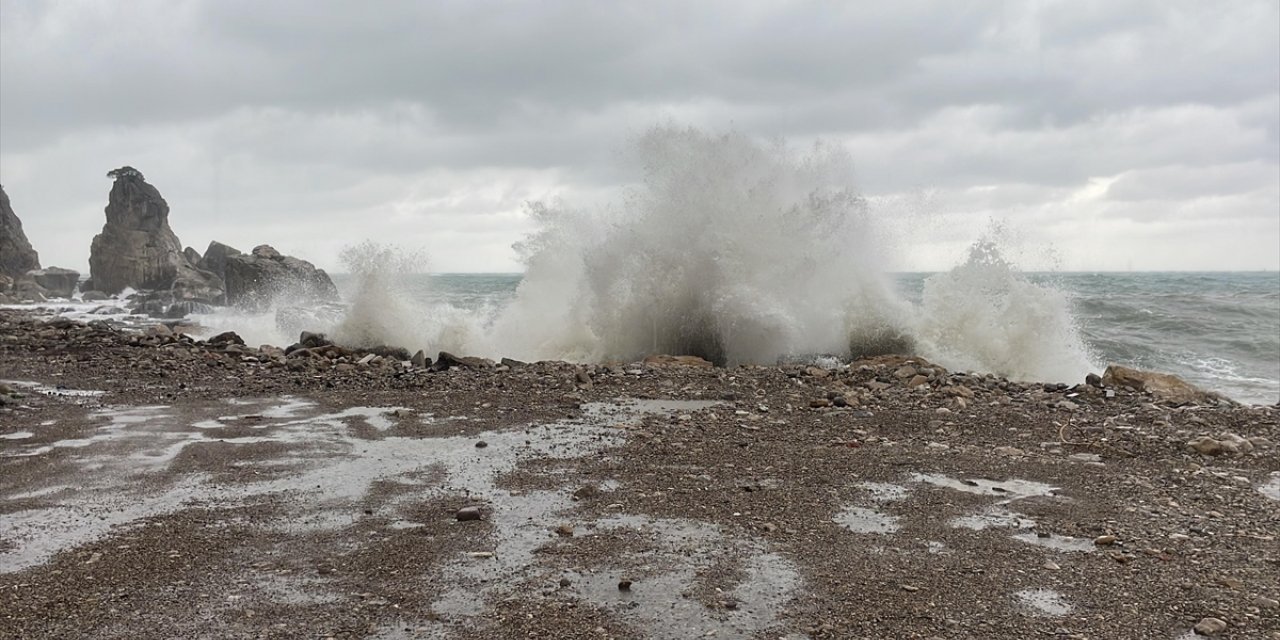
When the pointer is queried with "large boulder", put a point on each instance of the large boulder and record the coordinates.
(257, 279)
(138, 249)
(215, 258)
(16, 255)
(56, 280)
(1165, 387)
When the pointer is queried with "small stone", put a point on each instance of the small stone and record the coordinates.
(1104, 541)
(564, 530)
(1012, 452)
(917, 381)
(1050, 565)
(1206, 446)
(466, 514)
(1210, 626)
(481, 444)
(1093, 380)
(624, 585)
(564, 582)
(1263, 602)
(1085, 457)
(910, 587)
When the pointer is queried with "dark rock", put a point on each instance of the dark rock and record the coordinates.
(215, 258)
(29, 291)
(467, 514)
(311, 340)
(191, 255)
(1093, 380)
(420, 359)
(396, 353)
(624, 585)
(445, 361)
(257, 279)
(481, 444)
(138, 249)
(513, 364)
(56, 281)
(183, 308)
(17, 257)
(226, 337)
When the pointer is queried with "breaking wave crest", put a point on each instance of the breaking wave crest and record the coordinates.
(736, 250)
(747, 252)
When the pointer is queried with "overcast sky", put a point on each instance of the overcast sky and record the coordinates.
(1106, 135)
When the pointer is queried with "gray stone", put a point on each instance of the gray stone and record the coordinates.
(56, 280)
(215, 258)
(1210, 626)
(255, 280)
(17, 257)
(137, 248)
(467, 514)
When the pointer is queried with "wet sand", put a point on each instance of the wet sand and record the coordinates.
(165, 488)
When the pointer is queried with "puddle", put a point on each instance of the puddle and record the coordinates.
(862, 520)
(658, 599)
(1011, 490)
(993, 518)
(123, 473)
(1056, 542)
(672, 568)
(334, 469)
(1043, 602)
(1271, 489)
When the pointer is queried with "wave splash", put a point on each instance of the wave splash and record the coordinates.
(733, 249)
(747, 252)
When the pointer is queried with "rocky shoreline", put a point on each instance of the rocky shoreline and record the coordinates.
(156, 485)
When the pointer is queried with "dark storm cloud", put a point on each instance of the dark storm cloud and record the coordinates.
(260, 114)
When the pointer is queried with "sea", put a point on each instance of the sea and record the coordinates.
(1218, 330)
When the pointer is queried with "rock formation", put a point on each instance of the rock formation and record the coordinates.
(256, 279)
(215, 258)
(138, 249)
(16, 255)
(56, 280)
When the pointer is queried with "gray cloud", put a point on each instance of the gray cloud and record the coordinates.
(432, 123)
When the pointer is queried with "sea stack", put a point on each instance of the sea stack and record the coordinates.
(17, 257)
(138, 249)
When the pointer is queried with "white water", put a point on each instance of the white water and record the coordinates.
(727, 247)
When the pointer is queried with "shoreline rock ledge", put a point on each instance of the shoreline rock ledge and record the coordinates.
(137, 248)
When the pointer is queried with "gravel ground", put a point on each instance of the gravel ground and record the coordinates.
(155, 486)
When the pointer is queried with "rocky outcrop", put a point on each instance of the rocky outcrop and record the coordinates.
(256, 279)
(215, 258)
(16, 255)
(57, 281)
(1165, 387)
(138, 249)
